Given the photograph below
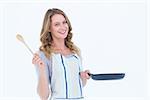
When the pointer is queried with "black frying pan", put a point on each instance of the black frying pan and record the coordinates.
(107, 76)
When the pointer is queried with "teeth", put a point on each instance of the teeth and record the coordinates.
(62, 32)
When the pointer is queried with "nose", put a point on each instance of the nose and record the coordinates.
(63, 27)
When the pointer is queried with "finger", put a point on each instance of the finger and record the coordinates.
(87, 71)
(39, 62)
(36, 59)
(87, 76)
(82, 74)
(36, 56)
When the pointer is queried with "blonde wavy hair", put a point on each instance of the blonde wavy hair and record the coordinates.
(46, 38)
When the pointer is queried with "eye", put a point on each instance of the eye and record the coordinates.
(56, 24)
(64, 22)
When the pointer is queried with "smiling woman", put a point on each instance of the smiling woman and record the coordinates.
(106, 32)
(58, 61)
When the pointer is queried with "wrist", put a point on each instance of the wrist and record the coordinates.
(42, 71)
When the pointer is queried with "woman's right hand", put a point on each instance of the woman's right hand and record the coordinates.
(37, 61)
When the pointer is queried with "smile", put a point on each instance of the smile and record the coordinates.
(62, 32)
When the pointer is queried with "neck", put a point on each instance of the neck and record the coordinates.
(59, 44)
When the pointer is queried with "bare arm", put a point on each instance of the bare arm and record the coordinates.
(43, 84)
(84, 76)
(84, 81)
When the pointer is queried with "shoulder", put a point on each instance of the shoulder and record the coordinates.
(77, 56)
(42, 55)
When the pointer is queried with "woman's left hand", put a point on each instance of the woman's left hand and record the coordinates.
(84, 74)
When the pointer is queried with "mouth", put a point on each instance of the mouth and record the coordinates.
(63, 32)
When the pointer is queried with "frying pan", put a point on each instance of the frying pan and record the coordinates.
(107, 76)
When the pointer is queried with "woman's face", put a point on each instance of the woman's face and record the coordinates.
(59, 27)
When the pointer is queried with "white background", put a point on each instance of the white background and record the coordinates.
(112, 35)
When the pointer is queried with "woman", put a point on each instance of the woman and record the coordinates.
(58, 62)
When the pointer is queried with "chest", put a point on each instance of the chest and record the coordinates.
(67, 65)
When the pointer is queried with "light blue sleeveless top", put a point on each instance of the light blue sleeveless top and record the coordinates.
(63, 76)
